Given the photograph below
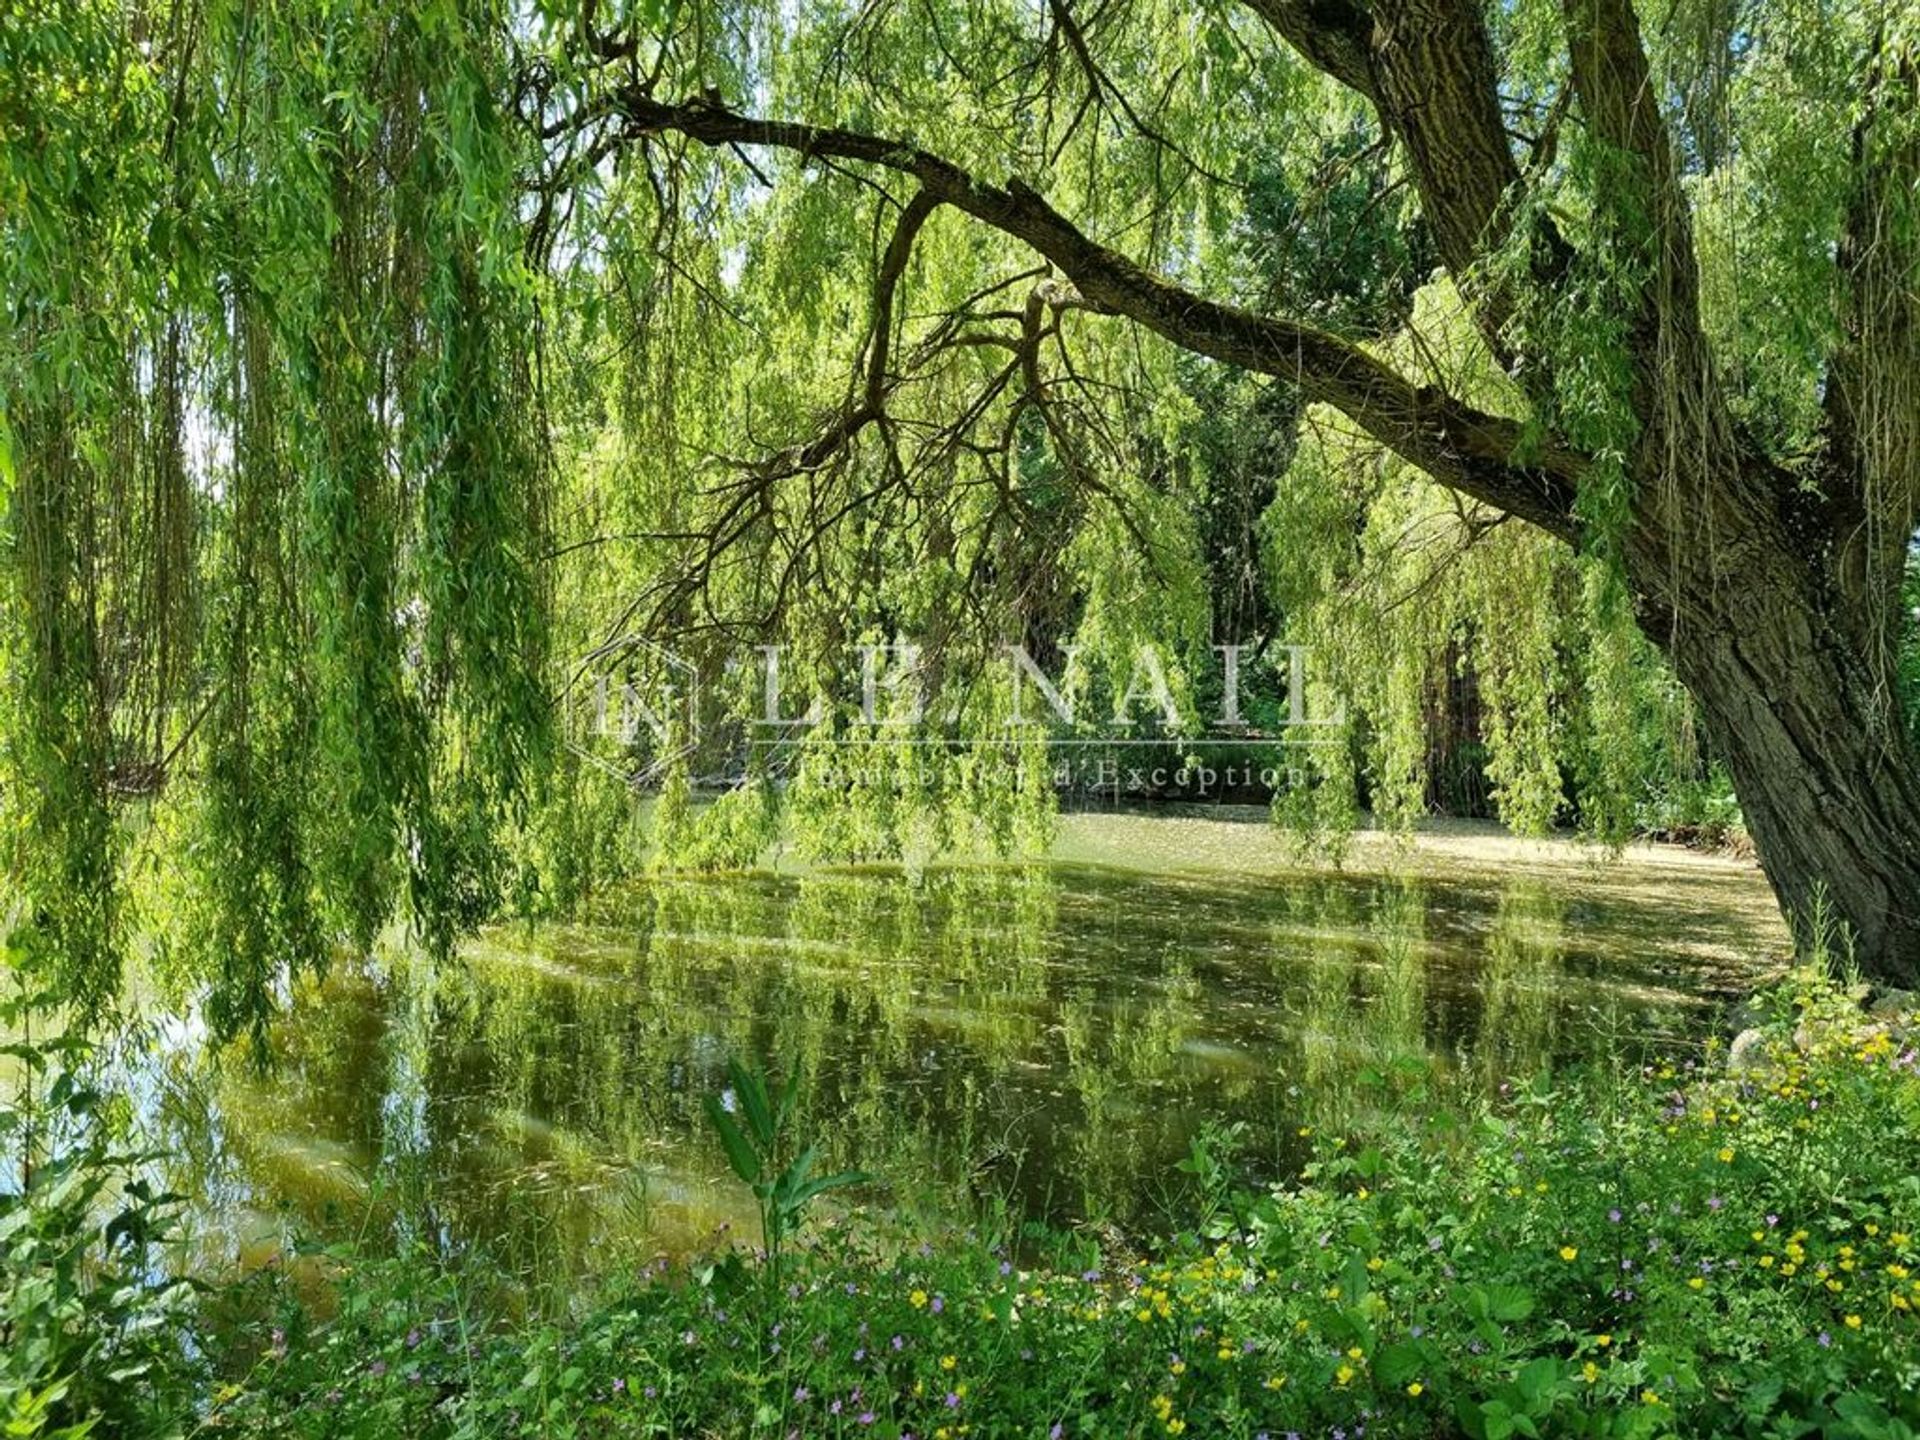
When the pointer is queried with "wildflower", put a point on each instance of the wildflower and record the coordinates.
(1852, 1322)
(937, 1304)
(947, 1362)
(1569, 1253)
(1589, 1372)
(1603, 1341)
(1344, 1374)
(918, 1299)
(1726, 1156)
(1696, 1283)
(1416, 1389)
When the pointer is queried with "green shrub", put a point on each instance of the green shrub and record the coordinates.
(93, 1334)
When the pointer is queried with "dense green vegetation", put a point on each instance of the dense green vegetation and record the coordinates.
(1680, 1250)
(910, 417)
(370, 370)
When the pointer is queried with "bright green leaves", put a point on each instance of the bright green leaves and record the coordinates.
(754, 1120)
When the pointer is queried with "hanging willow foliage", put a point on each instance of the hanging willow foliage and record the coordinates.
(373, 374)
(276, 482)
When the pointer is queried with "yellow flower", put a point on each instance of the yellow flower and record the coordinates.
(1589, 1372)
(1375, 1264)
(1178, 1367)
(1305, 1130)
(1364, 1192)
(1872, 1229)
(1648, 1397)
(917, 1299)
(1603, 1341)
(1696, 1283)
(1274, 1382)
(1569, 1253)
(1355, 1353)
(1726, 1156)
(1225, 1353)
(1344, 1374)
(1176, 1426)
(1766, 1262)
(1852, 1322)
(1898, 1237)
(947, 1362)
(1416, 1389)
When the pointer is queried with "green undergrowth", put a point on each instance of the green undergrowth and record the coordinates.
(1688, 1250)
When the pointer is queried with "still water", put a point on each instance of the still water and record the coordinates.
(1050, 1039)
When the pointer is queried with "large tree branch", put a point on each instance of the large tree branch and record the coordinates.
(1873, 381)
(1334, 35)
(1478, 454)
(1428, 67)
(1640, 195)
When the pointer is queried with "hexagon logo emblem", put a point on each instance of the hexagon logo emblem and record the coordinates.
(631, 709)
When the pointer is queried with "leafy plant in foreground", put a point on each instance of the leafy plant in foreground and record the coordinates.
(758, 1151)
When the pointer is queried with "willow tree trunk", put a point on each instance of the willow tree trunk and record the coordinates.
(1799, 697)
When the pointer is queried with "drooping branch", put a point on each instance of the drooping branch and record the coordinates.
(1482, 455)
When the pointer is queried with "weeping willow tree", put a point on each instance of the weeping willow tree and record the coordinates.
(1659, 392)
(368, 367)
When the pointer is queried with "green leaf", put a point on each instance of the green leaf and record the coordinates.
(740, 1155)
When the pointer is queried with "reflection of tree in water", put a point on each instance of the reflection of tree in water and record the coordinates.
(1522, 985)
(1054, 1037)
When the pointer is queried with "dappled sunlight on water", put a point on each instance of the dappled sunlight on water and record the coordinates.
(1049, 1039)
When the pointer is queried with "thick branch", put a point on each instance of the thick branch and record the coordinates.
(1459, 446)
(1428, 67)
(1873, 390)
(1334, 35)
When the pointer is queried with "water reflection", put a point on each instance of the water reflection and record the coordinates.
(1049, 1037)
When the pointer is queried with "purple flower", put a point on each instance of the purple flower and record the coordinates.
(377, 1369)
(899, 1343)
(800, 1395)
(1614, 1215)
(619, 1385)
(1006, 1267)
(953, 1401)
(866, 1417)
(1825, 1338)
(937, 1305)
(1715, 1202)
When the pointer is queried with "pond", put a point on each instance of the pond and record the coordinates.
(1049, 1039)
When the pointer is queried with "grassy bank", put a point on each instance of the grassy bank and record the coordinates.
(1694, 1251)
